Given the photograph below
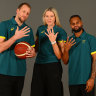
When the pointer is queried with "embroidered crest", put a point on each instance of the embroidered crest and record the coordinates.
(12, 28)
(43, 31)
(83, 41)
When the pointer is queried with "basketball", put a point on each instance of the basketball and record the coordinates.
(20, 49)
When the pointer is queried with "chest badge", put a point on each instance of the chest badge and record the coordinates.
(12, 28)
(43, 31)
(83, 41)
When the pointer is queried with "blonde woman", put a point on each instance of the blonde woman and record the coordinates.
(47, 71)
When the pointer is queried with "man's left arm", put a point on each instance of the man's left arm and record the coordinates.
(30, 52)
(90, 82)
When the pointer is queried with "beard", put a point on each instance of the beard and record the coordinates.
(21, 20)
(78, 30)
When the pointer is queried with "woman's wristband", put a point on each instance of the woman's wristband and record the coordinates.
(53, 42)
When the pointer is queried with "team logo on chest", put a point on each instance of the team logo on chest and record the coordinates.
(83, 41)
(43, 31)
(12, 28)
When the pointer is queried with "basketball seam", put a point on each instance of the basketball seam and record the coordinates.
(20, 54)
(24, 53)
(24, 44)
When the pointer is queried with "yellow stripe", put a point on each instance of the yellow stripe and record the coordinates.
(93, 52)
(33, 45)
(60, 41)
(2, 37)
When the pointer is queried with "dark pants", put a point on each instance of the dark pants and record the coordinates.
(46, 80)
(11, 85)
(79, 90)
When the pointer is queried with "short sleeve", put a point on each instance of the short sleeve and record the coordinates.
(62, 36)
(3, 30)
(93, 45)
(32, 42)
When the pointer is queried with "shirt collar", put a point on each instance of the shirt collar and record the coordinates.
(53, 27)
(13, 20)
(81, 36)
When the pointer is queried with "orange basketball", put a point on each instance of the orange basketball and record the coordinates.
(20, 49)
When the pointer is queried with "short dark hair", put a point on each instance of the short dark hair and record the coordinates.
(74, 16)
(24, 4)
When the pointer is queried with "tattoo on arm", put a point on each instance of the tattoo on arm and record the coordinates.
(93, 73)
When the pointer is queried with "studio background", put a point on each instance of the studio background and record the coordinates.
(85, 8)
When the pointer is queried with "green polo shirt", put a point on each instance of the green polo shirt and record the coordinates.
(45, 50)
(9, 63)
(80, 58)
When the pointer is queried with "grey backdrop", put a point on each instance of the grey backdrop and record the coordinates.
(85, 8)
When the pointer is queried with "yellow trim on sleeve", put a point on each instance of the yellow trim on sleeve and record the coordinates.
(93, 52)
(60, 41)
(33, 45)
(2, 37)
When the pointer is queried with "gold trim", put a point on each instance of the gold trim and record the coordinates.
(33, 45)
(2, 37)
(93, 52)
(60, 41)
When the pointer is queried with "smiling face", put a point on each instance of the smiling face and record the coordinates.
(76, 24)
(23, 13)
(49, 18)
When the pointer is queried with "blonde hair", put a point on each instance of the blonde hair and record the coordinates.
(57, 21)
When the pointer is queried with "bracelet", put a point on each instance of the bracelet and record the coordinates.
(53, 42)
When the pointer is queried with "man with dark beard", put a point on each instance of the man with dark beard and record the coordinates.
(80, 53)
(13, 69)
